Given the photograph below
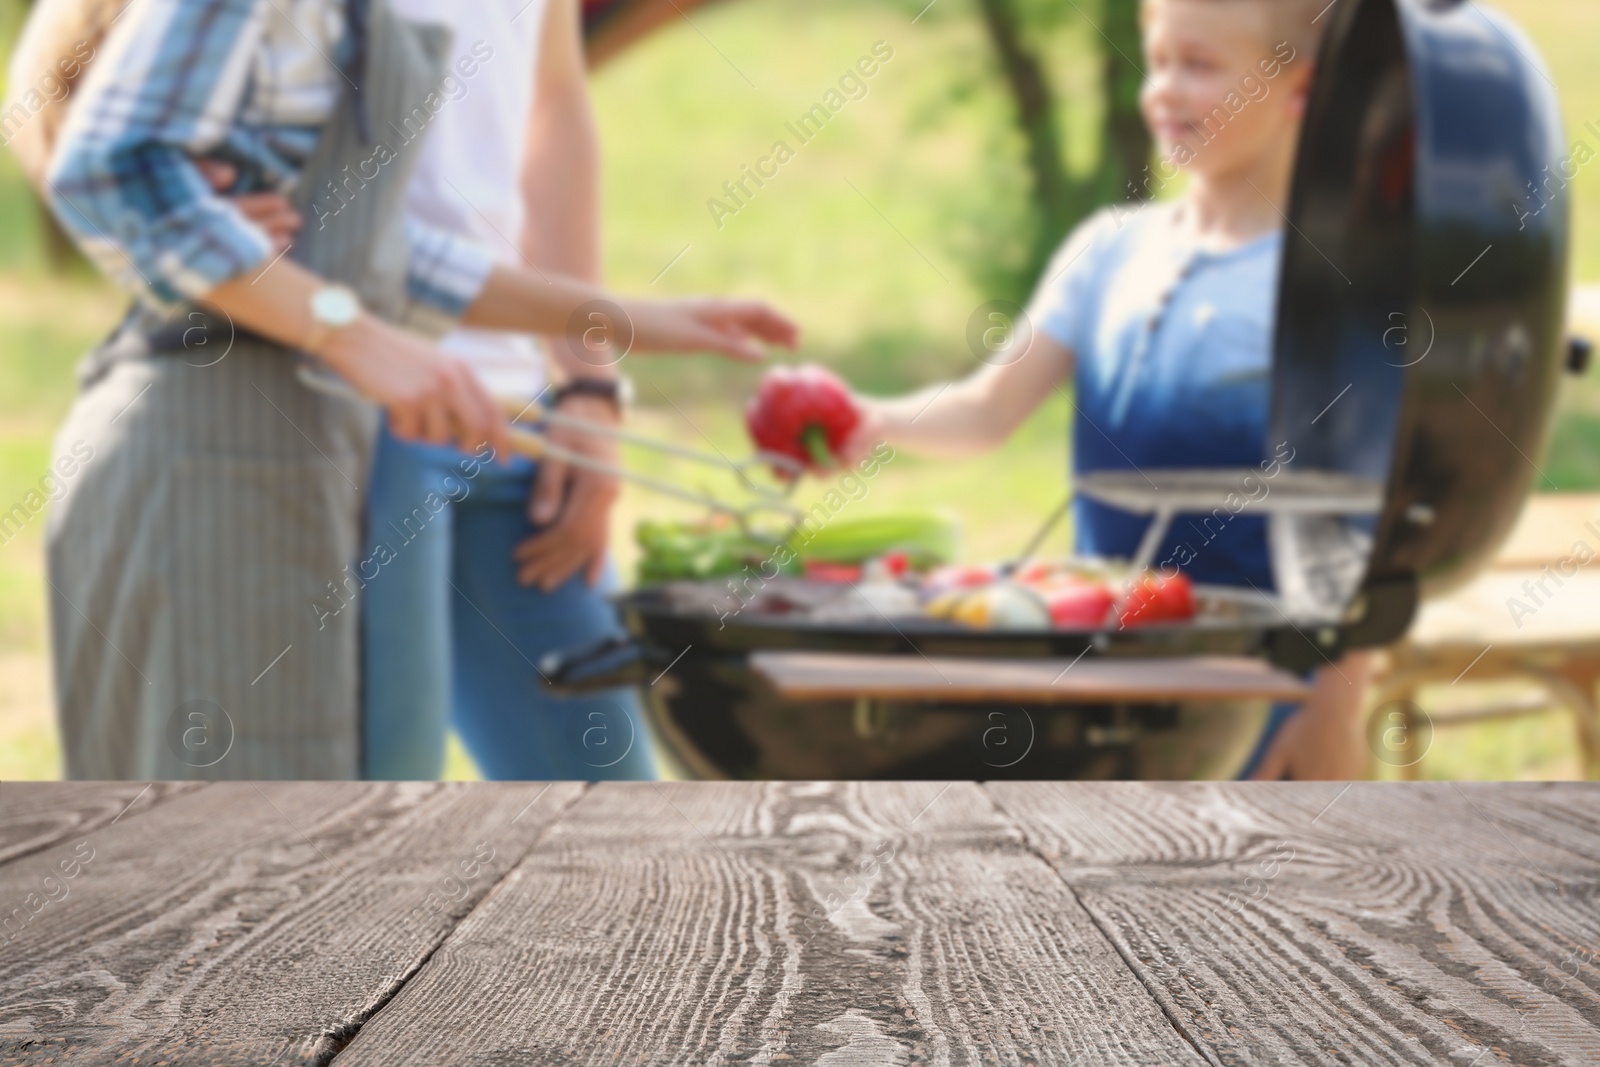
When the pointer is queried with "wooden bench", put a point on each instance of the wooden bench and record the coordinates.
(1483, 634)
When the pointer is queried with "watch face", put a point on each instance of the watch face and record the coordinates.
(335, 306)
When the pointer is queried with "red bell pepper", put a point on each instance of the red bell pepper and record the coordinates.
(805, 413)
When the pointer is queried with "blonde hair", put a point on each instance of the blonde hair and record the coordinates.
(1300, 22)
(56, 46)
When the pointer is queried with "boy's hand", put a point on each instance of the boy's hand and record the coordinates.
(869, 432)
(1313, 747)
(270, 211)
(1325, 741)
(737, 329)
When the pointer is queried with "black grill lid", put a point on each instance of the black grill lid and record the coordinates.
(1421, 305)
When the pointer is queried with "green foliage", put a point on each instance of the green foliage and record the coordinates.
(1064, 152)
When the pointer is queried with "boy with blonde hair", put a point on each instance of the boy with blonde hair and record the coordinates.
(1162, 314)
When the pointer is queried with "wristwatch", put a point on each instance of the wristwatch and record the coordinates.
(333, 308)
(618, 391)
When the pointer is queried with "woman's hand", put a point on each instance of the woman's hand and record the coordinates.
(738, 329)
(270, 211)
(594, 329)
(571, 505)
(428, 395)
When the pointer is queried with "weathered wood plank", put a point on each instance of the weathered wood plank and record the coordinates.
(1383, 924)
(1144, 826)
(245, 924)
(34, 819)
(1567, 816)
(837, 923)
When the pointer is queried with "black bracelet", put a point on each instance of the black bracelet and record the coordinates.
(614, 390)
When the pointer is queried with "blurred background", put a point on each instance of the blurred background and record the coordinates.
(996, 126)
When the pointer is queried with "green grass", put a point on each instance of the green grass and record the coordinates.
(871, 237)
(1543, 745)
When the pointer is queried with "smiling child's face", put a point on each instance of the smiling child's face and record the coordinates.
(1223, 89)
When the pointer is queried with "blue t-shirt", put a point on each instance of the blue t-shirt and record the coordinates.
(1173, 349)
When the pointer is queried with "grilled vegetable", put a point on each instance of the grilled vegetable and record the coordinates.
(818, 571)
(701, 550)
(960, 576)
(834, 551)
(1002, 606)
(926, 538)
(1076, 595)
(805, 413)
(1078, 605)
(1157, 598)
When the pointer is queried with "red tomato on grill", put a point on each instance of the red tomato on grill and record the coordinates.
(1078, 605)
(1157, 598)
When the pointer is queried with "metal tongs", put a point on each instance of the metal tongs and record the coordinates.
(769, 498)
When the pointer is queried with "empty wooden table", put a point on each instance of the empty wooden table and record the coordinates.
(831, 924)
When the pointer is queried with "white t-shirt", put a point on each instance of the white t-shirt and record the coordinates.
(468, 177)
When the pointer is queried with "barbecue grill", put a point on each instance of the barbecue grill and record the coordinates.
(1417, 358)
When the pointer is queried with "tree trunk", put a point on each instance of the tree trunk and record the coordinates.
(1126, 139)
(1060, 201)
(1036, 108)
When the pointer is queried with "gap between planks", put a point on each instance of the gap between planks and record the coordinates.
(328, 1045)
(407, 1032)
(1168, 1011)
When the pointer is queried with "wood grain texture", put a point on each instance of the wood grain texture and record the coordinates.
(833, 924)
(245, 924)
(1314, 924)
(845, 676)
(34, 819)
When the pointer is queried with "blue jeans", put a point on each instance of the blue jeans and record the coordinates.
(450, 638)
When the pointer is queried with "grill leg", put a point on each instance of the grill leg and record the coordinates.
(871, 720)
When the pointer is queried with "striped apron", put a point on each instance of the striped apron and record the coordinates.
(203, 619)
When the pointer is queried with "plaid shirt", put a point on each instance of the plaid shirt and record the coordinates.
(250, 81)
